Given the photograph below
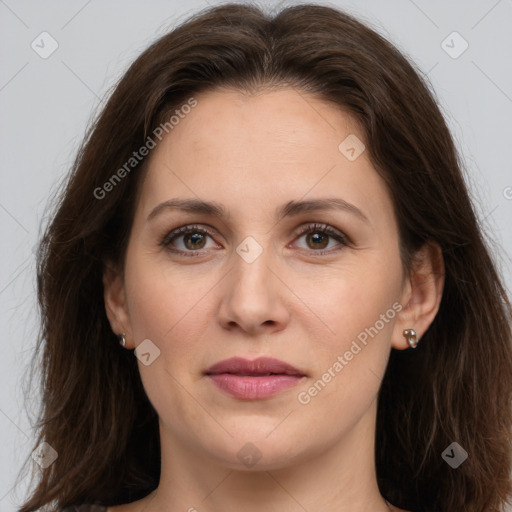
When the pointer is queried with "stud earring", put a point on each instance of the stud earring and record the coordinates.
(412, 338)
(122, 339)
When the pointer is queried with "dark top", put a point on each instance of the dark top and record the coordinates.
(85, 508)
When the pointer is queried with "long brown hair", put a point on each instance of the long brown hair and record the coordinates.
(455, 387)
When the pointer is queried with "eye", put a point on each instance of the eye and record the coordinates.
(190, 239)
(317, 238)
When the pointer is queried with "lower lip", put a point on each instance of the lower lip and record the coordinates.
(253, 388)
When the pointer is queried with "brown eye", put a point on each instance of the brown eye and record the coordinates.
(318, 237)
(187, 239)
(317, 240)
(194, 240)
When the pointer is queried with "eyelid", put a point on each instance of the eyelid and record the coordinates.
(310, 227)
(319, 226)
(175, 233)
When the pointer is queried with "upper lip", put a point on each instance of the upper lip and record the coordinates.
(259, 366)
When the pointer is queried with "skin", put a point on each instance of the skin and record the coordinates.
(252, 154)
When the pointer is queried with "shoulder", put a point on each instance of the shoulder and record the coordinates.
(85, 507)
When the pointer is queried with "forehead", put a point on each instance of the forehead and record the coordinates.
(280, 144)
(267, 123)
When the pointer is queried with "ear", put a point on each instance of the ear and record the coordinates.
(115, 301)
(421, 295)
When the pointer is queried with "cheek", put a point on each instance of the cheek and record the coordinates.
(172, 308)
(161, 299)
(359, 309)
(164, 307)
(354, 298)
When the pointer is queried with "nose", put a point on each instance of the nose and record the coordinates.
(254, 297)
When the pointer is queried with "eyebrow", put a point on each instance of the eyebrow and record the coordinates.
(290, 209)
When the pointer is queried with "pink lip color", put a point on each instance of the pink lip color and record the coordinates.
(254, 388)
(253, 380)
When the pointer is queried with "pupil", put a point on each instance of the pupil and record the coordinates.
(195, 238)
(317, 239)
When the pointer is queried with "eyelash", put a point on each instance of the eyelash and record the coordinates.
(310, 228)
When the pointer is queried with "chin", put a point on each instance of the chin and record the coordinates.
(260, 452)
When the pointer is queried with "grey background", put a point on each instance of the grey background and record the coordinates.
(46, 104)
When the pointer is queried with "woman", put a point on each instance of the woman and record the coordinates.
(270, 214)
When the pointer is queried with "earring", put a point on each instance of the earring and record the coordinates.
(122, 339)
(411, 336)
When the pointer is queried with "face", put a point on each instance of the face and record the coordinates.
(276, 276)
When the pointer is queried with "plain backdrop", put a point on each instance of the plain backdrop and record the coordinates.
(47, 103)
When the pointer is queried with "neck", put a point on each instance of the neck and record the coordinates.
(341, 478)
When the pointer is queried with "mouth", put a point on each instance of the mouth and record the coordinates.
(253, 380)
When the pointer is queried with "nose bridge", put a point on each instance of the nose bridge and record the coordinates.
(252, 263)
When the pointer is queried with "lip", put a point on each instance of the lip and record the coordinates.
(259, 366)
(253, 379)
